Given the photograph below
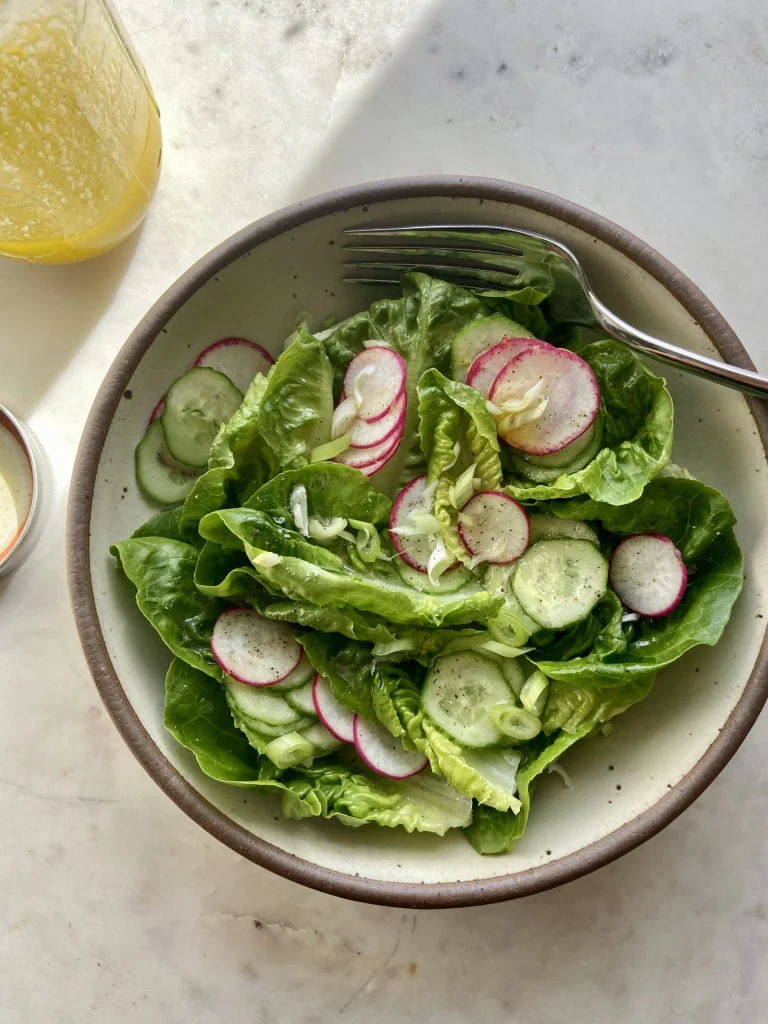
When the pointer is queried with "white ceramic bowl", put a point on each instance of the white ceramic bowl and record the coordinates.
(664, 751)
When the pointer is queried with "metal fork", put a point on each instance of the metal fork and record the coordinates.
(487, 257)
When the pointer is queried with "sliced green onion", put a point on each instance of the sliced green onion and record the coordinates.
(534, 693)
(559, 770)
(515, 722)
(463, 489)
(508, 629)
(455, 459)
(439, 561)
(425, 522)
(331, 449)
(394, 647)
(368, 541)
(267, 559)
(504, 650)
(288, 750)
(343, 419)
(607, 728)
(326, 529)
(299, 511)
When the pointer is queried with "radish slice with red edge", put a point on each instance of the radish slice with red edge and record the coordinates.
(648, 574)
(494, 528)
(362, 458)
(384, 753)
(370, 435)
(338, 720)
(376, 379)
(237, 358)
(158, 410)
(414, 550)
(252, 649)
(564, 381)
(486, 368)
(377, 466)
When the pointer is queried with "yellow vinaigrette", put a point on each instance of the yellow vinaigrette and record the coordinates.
(80, 139)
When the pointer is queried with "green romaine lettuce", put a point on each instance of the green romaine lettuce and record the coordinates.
(297, 405)
(305, 579)
(637, 415)
(494, 831)
(163, 572)
(457, 432)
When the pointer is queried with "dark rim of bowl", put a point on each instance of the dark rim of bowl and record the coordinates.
(214, 821)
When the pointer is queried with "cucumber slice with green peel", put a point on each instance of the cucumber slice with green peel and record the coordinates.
(535, 469)
(450, 581)
(322, 741)
(478, 336)
(255, 703)
(161, 478)
(559, 582)
(544, 527)
(271, 731)
(303, 673)
(458, 694)
(301, 700)
(196, 405)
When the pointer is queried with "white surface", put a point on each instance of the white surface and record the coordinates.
(113, 905)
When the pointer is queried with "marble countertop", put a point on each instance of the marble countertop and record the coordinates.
(113, 905)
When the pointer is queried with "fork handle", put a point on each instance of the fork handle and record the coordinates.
(748, 381)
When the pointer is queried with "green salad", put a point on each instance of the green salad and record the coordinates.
(407, 565)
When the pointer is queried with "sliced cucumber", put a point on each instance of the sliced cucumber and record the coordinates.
(196, 405)
(478, 336)
(450, 581)
(270, 731)
(458, 694)
(160, 476)
(303, 673)
(301, 701)
(559, 582)
(322, 741)
(253, 702)
(536, 469)
(544, 527)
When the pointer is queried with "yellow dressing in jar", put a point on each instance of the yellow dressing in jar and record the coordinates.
(80, 139)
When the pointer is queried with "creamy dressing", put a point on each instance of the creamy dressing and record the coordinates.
(15, 491)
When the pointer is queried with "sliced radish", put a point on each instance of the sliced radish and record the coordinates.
(566, 402)
(384, 753)
(648, 574)
(486, 368)
(375, 378)
(338, 720)
(237, 358)
(370, 435)
(494, 528)
(158, 410)
(414, 550)
(377, 466)
(363, 458)
(252, 649)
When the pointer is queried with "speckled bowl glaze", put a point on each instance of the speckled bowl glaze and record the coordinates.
(626, 787)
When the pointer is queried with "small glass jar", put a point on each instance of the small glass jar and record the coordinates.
(80, 141)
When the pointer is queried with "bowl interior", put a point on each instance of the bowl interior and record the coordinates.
(260, 295)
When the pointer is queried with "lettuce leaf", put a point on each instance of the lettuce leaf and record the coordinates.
(494, 831)
(332, 490)
(620, 667)
(297, 404)
(306, 572)
(453, 414)
(240, 461)
(637, 416)
(163, 572)
(197, 714)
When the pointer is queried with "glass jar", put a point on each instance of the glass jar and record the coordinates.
(80, 140)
